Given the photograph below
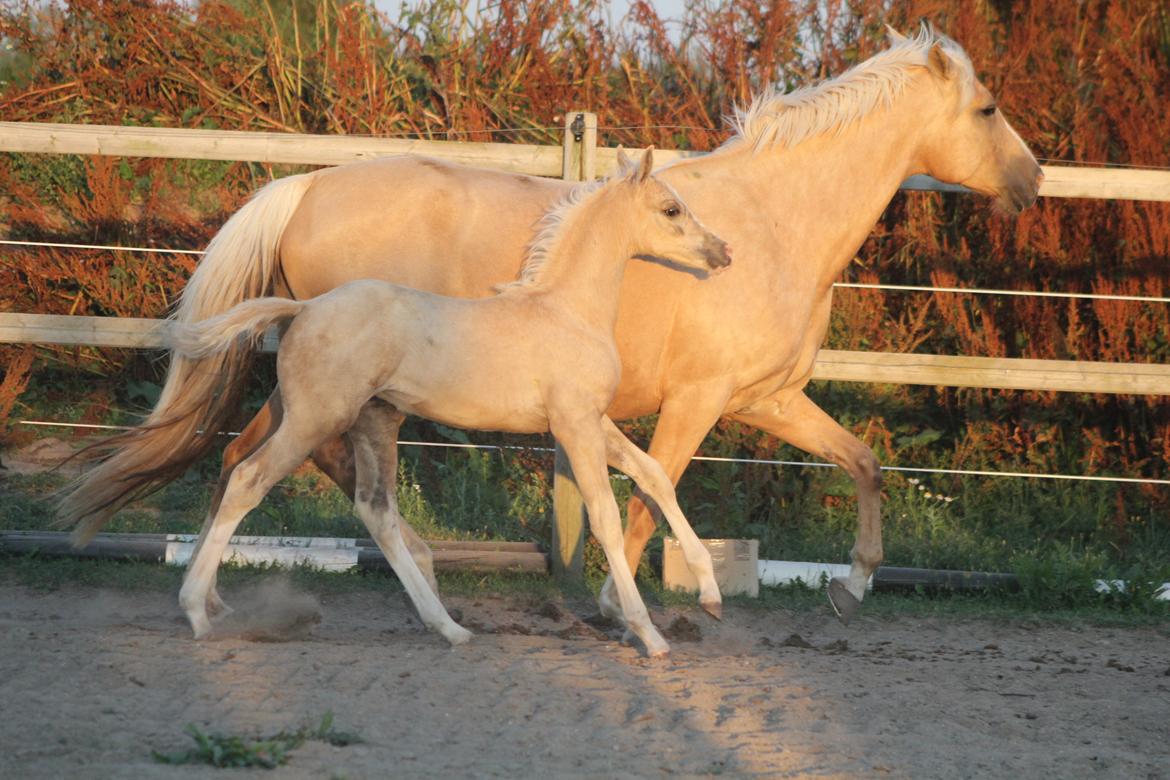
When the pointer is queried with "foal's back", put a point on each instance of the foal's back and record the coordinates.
(485, 364)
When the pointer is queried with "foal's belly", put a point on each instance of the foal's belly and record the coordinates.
(451, 373)
(528, 420)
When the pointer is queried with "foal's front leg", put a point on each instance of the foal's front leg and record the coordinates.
(583, 441)
(650, 478)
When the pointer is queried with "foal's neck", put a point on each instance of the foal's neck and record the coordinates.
(586, 263)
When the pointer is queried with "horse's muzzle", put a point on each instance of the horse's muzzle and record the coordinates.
(717, 253)
(1021, 193)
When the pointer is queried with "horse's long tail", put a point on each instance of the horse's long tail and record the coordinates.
(200, 394)
(213, 336)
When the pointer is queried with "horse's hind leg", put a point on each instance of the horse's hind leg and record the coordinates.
(374, 440)
(650, 478)
(584, 443)
(248, 483)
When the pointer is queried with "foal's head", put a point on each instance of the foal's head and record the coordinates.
(970, 142)
(661, 224)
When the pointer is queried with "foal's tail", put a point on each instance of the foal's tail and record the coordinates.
(201, 393)
(214, 336)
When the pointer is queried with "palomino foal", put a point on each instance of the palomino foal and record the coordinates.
(540, 356)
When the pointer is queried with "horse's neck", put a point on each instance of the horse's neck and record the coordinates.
(826, 193)
(584, 269)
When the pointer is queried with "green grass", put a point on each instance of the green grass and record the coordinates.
(226, 752)
(1056, 536)
(1042, 607)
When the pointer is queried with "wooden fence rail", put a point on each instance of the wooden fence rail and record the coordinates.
(1060, 181)
(578, 158)
(1075, 376)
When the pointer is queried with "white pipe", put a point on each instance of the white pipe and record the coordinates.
(814, 574)
(811, 574)
(331, 554)
(1118, 586)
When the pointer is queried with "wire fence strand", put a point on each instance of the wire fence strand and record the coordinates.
(905, 288)
(708, 458)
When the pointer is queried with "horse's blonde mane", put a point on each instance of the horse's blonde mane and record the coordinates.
(785, 119)
(547, 233)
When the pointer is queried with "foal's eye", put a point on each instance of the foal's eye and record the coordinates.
(990, 110)
(672, 211)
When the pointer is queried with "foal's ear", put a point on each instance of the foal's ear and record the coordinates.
(939, 62)
(894, 36)
(646, 166)
(625, 166)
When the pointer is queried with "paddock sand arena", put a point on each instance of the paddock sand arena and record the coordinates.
(91, 681)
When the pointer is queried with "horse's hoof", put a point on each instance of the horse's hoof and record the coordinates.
(713, 608)
(458, 636)
(845, 604)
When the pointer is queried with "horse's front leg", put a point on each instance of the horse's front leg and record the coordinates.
(583, 441)
(798, 421)
(685, 418)
(651, 479)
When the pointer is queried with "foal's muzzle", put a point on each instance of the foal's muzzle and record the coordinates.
(717, 253)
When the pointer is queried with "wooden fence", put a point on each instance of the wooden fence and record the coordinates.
(578, 158)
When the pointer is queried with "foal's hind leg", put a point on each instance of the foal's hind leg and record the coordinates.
(247, 484)
(258, 430)
(650, 478)
(334, 457)
(374, 440)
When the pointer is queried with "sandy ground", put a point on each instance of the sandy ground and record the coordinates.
(91, 681)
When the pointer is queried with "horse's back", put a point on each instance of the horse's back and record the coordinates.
(415, 221)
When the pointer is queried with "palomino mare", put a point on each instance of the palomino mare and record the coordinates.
(795, 190)
(539, 356)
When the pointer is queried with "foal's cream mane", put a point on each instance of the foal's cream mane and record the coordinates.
(784, 119)
(547, 233)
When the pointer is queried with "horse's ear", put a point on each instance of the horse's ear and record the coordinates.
(646, 166)
(625, 166)
(939, 62)
(894, 36)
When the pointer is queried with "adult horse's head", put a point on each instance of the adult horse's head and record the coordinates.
(969, 141)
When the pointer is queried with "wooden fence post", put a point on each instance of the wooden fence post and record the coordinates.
(579, 163)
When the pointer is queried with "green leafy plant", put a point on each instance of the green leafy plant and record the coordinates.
(223, 751)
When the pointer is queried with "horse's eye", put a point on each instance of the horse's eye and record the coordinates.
(990, 110)
(672, 211)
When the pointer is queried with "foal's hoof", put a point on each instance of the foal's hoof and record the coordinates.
(458, 636)
(713, 608)
(845, 604)
(201, 629)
